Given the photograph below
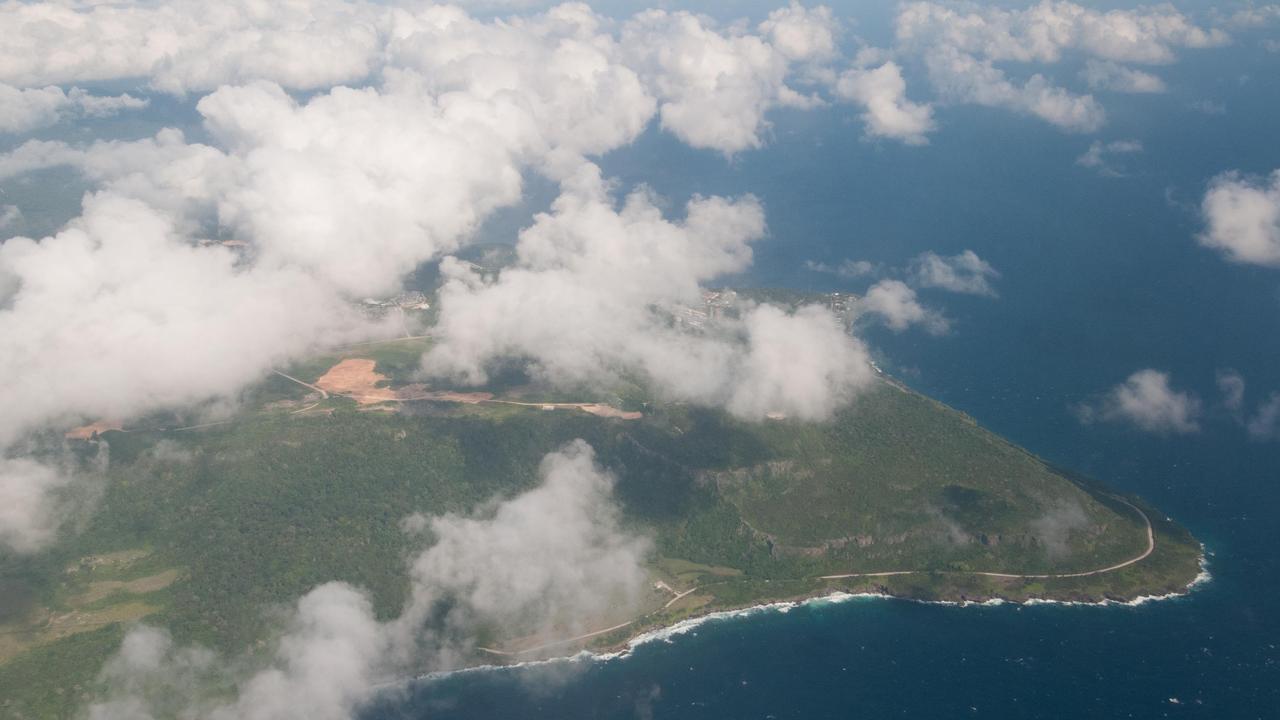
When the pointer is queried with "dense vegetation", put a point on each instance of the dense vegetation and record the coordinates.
(207, 531)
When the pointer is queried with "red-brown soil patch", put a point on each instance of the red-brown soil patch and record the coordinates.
(86, 432)
(358, 379)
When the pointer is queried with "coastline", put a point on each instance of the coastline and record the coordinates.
(622, 650)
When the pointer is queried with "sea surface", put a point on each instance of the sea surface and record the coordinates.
(1101, 276)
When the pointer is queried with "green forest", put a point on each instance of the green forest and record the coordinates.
(208, 531)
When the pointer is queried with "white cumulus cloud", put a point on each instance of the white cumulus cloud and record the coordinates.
(29, 510)
(895, 304)
(715, 87)
(1107, 75)
(593, 293)
(966, 44)
(186, 45)
(964, 273)
(26, 109)
(1148, 401)
(1044, 31)
(888, 112)
(1242, 218)
(104, 319)
(963, 78)
(551, 560)
(339, 192)
(801, 33)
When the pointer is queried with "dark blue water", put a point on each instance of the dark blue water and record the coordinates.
(1101, 277)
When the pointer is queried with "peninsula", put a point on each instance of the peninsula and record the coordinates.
(898, 495)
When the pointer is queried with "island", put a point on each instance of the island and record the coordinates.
(203, 526)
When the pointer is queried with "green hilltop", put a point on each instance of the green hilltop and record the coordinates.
(203, 530)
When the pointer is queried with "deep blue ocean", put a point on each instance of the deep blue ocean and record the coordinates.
(1101, 276)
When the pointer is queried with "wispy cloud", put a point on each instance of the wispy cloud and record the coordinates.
(552, 560)
(1100, 155)
(964, 273)
(1147, 401)
(895, 304)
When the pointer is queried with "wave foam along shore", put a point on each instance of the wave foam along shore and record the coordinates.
(686, 626)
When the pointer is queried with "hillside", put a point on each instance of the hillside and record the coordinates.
(202, 530)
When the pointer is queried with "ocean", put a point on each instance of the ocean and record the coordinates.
(1100, 276)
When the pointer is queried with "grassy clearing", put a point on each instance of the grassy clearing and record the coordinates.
(94, 592)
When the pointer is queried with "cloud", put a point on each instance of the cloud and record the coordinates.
(186, 46)
(181, 182)
(30, 512)
(895, 304)
(360, 186)
(1209, 107)
(888, 112)
(1242, 218)
(26, 109)
(962, 78)
(621, 273)
(802, 34)
(773, 378)
(846, 269)
(552, 560)
(1231, 385)
(1253, 16)
(962, 43)
(1265, 424)
(1107, 75)
(323, 667)
(563, 69)
(42, 488)
(1055, 527)
(1097, 154)
(715, 88)
(1146, 401)
(149, 676)
(340, 192)
(964, 273)
(121, 287)
(9, 215)
(1045, 31)
(714, 85)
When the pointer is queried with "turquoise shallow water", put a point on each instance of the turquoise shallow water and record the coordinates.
(1101, 277)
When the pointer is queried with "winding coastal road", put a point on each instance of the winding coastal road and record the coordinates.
(1151, 546)
(553, 643)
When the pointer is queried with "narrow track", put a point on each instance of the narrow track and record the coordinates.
(1151, 546)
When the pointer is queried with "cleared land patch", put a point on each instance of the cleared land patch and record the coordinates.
(87, 432)
(102, 589)
(15, 640)
(92, 593)
(358, 379)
